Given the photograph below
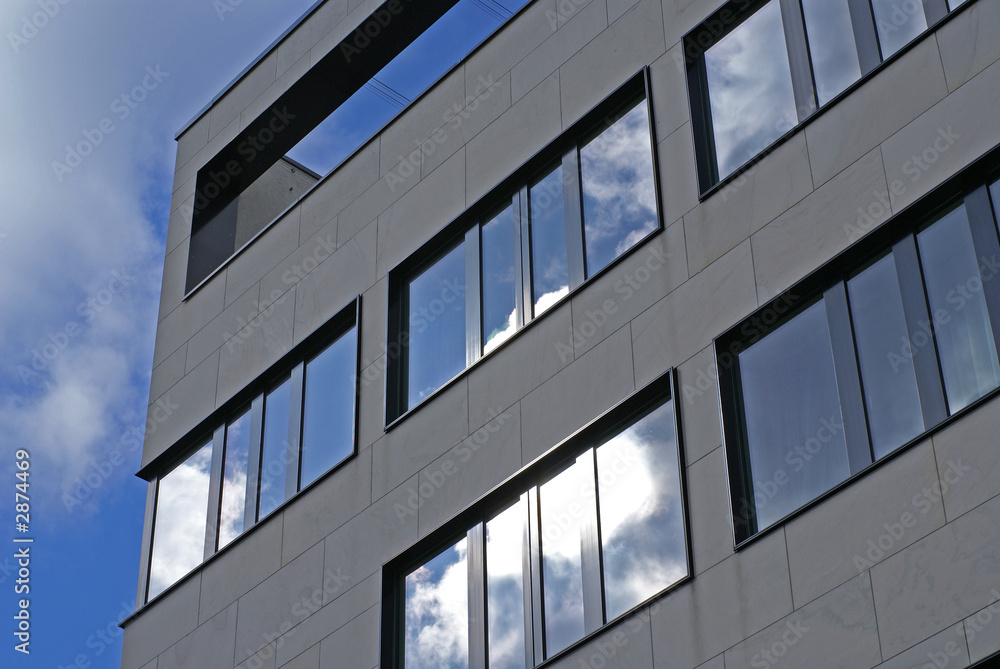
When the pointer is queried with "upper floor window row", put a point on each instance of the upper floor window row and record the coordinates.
(587, 534)
(819, 385)
(299, 426)
(564, 217)
(756, 69)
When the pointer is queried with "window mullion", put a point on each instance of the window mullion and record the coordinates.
(798, 58)
(852, 406)
(253, 461)
(147, 542)
(215, 490)
(590, 546)
(934, 11)
(528, 582)
(865, 37)
(573, 207)
(294, 442)
(930, 388)
(473, 296)
(477, 596)
(537, 621)
(522, 278)
(984, 239)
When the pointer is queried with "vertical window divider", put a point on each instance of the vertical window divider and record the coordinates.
(798, 59)
(852, 406)
(253, 461)
(473, 295)
(476, 541)
(865, 37)
(292, 452)
(527, 582)
(526, 314)
(145, 555)
(520, 222)
(702, 125)
(984, 239)
(573, 208)
(535, 558)
(930, 387)
(215, 490)
(592, 539)
(934, 11)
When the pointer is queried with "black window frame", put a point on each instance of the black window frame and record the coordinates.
(514, 191)
(471, 524)
(898, 237)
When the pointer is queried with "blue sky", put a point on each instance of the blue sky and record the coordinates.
(81, 256)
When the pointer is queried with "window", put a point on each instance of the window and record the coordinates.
(264, 450)
(756, 68)
(564, 217)
(587, 534)
(819, 385)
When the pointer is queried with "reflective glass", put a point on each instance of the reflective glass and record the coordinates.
(961, 323)
(567, 510)
(831, 46)
(499, 285)
(953, 4)
(328, 407)
(181, 515)
(898, 22)
(274, 454)
(234, 483)
(549, 273)
(995, 196)
(619, 196)
(436, 349)
(887, 374)
(505, 544)
(437, 612)
(750, 88)
(794, 424)
(642, 525)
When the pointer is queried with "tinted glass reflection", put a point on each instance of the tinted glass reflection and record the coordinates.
(887, 374)
(549, 274)
(642, 527)
(274, 454)
(436, 351)
(995, 196)
(567, 509)
(328, 407)
(437, 612)
(961, 323)
(234, 483)
(499, 306)
(750, 88)
(898, 22)
(505, 537)
(181, 515)
(952, 4)
(831, 46)
(794, 423)
(619, 198)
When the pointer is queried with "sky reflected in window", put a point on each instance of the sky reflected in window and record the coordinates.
(505, 539)
(549, 274)
(274, 455)
(898, 22)
(831, 45)
(234, 483)
(437, 612)
(499, 241)
(328, 411)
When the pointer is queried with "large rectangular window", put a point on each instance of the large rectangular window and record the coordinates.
(572, 211)
(300, 424)
(758, 68)
(816, 389)
(588, 533)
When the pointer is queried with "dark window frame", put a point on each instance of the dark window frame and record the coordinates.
(896, 236)
(513, 190)
(471, 522)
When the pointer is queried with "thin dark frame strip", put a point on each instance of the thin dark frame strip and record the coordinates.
(253, 461)
(984, 239)
(478, 622)
(146, 551)
(216, 481)
(799, 60)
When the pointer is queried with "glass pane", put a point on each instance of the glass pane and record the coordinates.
(505, 536)
(179, 527)
(953, 4)
(642, 526)
(995, 196)
(887, 374)
(898, 21)
(328, 411)
(274, 455)
(619, 198)
(549, 273)
(234, 483)
(961, 323)
(750, 88)
(499, 285)
(437, 612)
(831, 46)
(436, 350)
(794, 423)
(567, 507)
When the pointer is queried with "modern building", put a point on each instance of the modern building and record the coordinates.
(649, 333)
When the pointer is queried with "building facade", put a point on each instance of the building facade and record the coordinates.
(652, 333)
